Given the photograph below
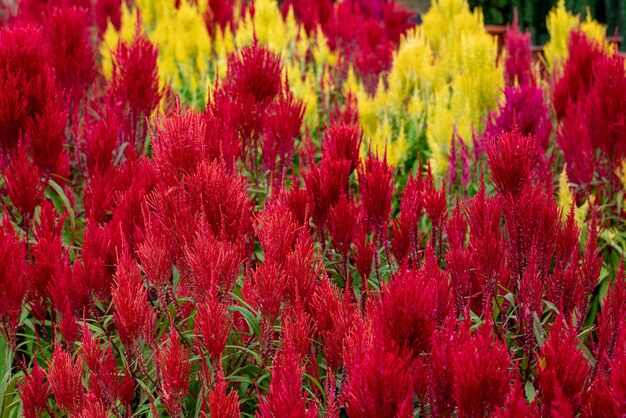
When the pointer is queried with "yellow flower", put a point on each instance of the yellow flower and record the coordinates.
(321, 51)
(439, 130)
(566, 200)
(560, 23)
(112, 37)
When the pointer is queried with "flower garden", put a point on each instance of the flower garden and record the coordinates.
(221, 208)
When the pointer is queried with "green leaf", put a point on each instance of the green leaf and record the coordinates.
(540, 333)
(530, 391)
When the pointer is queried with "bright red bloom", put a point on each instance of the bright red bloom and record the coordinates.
(179, 144)
(343, 219)
(34, 392)
(223, 403)
(283, 122)
(134, 87)
(376, 188)
(64, 376)
(213, 327)
(277, 231)
(343, 142)
(512, 156)
(562, 367)
(325, 184)
(156, 254)
(482, 378)
(24, 184)
(94, 408)
(379, 379)
(254, 71)
(133, 316)
(264, 291)
(173, 369)
(334, 319)
(214, 265)
(222, 199)
(13, 282)
(578, 72)
(286, 398)
(70, 50)
(303, 269)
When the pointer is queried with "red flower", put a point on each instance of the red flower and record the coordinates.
(70, 50)
(264, 291)
(173, 369)
(285, 398)
(214, 265)
(578, 75)
(13, 282)
(379, 379)
(283, 122)
(481, 374)
(562, 368)
(405, 312)
(34, 392)
(134, 87)
(179, 144)
(223, 201)
(64, 375)
(223, 403)
(254, 71)
(213, 327)
(133, 316)
(24, 184)
(343, 142)
(512, 156)
(376, 188)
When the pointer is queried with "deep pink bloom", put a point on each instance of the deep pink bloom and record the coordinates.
(525, 108)
(519, 58)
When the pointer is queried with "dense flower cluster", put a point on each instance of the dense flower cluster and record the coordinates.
(216, 208)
